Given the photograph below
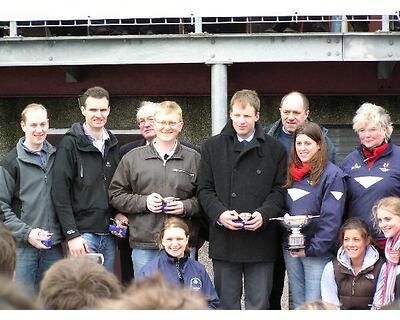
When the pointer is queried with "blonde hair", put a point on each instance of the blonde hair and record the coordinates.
(31, 106)
(391, 204)
(370, 113)
(169, 107)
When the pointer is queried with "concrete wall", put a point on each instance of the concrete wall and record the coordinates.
(327, 110)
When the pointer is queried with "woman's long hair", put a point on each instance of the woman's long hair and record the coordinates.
(320, 159)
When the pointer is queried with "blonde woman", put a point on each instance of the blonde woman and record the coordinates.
(373, 169)
(386, 213)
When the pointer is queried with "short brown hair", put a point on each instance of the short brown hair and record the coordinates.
(77, 283)
(154, 293)
(14, 297)
(244, 97)
(7, 252)
(304, 99)
(31, 106)
(95, 92)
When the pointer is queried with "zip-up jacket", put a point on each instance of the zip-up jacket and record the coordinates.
(25, 199)
(81, 179)
(275, 129)
(367, 185)
(327, 199)
(341, 286)
(184, 272)
(142, 172)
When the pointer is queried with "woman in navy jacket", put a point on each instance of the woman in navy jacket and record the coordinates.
(373, 169)
(315, 187)
(176, 266)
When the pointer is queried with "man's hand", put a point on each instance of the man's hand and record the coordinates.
(36, 236)
(174, 207)
(255, 222)
(226, 219)
(122, 222)
(298, 253)
(154, 202)
(77, 247)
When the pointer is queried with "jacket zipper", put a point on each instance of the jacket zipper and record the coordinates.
(183, 171)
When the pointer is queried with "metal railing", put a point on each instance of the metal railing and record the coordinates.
(151, 26)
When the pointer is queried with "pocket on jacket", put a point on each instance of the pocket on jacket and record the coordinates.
(185, 180)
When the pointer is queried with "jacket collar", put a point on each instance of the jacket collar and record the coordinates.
(50, 149)
(83, 141)
(228, 130)
(371, 257)
(276, 127)
(151, 152)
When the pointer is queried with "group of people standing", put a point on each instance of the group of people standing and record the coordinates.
(174, 196)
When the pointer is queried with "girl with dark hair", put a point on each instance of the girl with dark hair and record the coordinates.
(349, 281)
(176, 266)
(315, 187)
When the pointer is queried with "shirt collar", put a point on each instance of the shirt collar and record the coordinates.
(164, 155)
(105, 136)
(248, 139)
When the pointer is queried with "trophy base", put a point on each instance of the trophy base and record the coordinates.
(293, 247)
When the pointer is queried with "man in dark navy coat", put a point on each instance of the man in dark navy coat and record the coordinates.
(242, 170)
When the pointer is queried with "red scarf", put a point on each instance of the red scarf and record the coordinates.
(298, 173)
(372, 156)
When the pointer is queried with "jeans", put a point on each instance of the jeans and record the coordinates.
(142, 256)
(32, 263)
(104, 244)
(305, 277)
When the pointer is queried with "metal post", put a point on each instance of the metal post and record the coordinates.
(198, 25)
(385, 23)
(13, 29)
(219, 97)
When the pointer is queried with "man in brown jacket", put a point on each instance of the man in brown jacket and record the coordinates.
(147, 175)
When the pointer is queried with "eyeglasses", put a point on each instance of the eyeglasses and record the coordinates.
(142, 121)
(171, 124)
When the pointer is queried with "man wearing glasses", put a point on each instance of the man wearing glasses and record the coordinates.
(155, 181)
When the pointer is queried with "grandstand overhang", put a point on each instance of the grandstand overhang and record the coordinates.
(199, 48)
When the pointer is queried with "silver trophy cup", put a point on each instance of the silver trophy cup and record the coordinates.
(296, 239)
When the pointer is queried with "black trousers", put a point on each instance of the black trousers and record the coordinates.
(229, 278)
(125, 256)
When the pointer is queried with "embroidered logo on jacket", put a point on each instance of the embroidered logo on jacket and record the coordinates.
(356, 166)
(195, 284)
(385, 167)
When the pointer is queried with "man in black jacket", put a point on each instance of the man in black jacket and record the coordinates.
(242, 170)
(85, 163)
